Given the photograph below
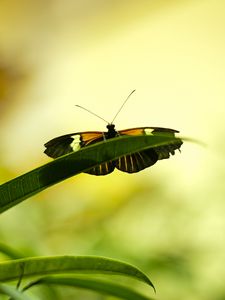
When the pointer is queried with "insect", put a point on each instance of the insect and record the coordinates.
(131, 163)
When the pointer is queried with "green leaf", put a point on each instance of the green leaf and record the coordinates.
(24, 186)
(28, 267)
(97, 285)
(12, 292)
(10, 252)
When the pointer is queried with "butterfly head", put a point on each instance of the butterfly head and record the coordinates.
(110, 126)
(111, 131)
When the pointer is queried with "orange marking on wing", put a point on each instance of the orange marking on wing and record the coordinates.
(91, 136)
(132, 131)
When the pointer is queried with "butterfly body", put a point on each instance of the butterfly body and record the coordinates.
(131, 163)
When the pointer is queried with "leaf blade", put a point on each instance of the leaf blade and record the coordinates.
(36, 266)
(12, 292)
(96, 285)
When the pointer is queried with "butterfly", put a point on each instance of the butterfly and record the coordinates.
(131, 163)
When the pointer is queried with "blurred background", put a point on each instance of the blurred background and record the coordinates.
(168, 219)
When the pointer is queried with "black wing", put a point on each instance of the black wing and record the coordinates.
(73, 142)
(140, 160)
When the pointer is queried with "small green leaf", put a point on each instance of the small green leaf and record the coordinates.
(12, 292)
(97, 285)
(33, 182)
(10, 252)
(28, 267)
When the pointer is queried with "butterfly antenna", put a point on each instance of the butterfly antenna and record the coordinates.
(92, 113)
(122, 106)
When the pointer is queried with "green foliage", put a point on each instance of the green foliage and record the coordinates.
(12, 292)
(101, 286)
(38, 266)
(28, 267)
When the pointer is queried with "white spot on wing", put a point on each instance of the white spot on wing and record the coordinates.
(148, 131)
(75, 145)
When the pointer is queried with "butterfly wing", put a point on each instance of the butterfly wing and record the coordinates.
(147, 131)
(136, 162)
(73, 142)
(140, 160)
